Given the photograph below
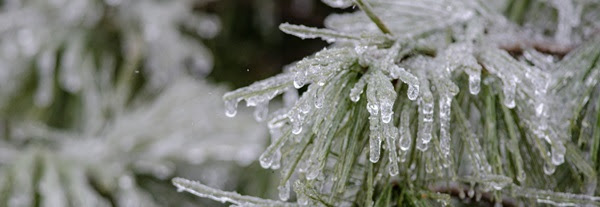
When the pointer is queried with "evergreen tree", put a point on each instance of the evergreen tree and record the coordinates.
(420, 103)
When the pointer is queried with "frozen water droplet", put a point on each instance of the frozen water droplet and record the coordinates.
(296, 128)
(338, 3)
(421, 145)
(302, 199)
(374, 147)
(471, 192)
(386, 111)
(261, 111)
(549, 168)
(284, 191)
(372, 108)
(558, 153)
(393, 169)
(404, 130)
(474, 83)
(299, 79)
(313, 171)
(358, 89)
(404, 141)
(276, 160)
(428, 166)
(509, 93)
(413, 92)
(319, 98)
(461, 194)
(265, 160)
(231, 108)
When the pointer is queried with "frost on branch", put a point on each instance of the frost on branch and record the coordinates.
(491, 106)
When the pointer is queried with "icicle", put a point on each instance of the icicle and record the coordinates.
(425, 120)
(445, 103)
(397, 72)
(358, 88)
(231, 107)
(265, 161)
(319, 97)
(276, 163)
(302, 199)
(374, 124)
(299, 112)
(375, 139)
(261, 111)
(474, 83)
(558, 152)
(509, 90)
(403, 156)
(299, 79)
(267, 158)
(296, 127)
(386, 96)
(471, 191)
(461, 194)
(284, 191)
(413, 92)
(422, 145)
(391, 135)
(404, 130)
(386, 110)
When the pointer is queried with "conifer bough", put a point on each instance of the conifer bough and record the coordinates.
(420, 103)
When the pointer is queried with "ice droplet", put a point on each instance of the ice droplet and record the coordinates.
(386, 111)
(474, 83)
(319, 98)
(509, 93)
(276, 164)
(338, 3)
(296, 128)
(373, 109)
(413, 92)
(231, 108)
(549, 168)
(393, 168)
(261, 111)
(358, 89)
(299, 79)
(558, 153)
(284, 191)
(445, 103)
(375, 139)
(471, 192)
(404, 130)
(265, 160)
(302, 199)
(313, 170)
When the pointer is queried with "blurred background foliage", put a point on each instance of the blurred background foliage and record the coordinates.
(248, 47)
